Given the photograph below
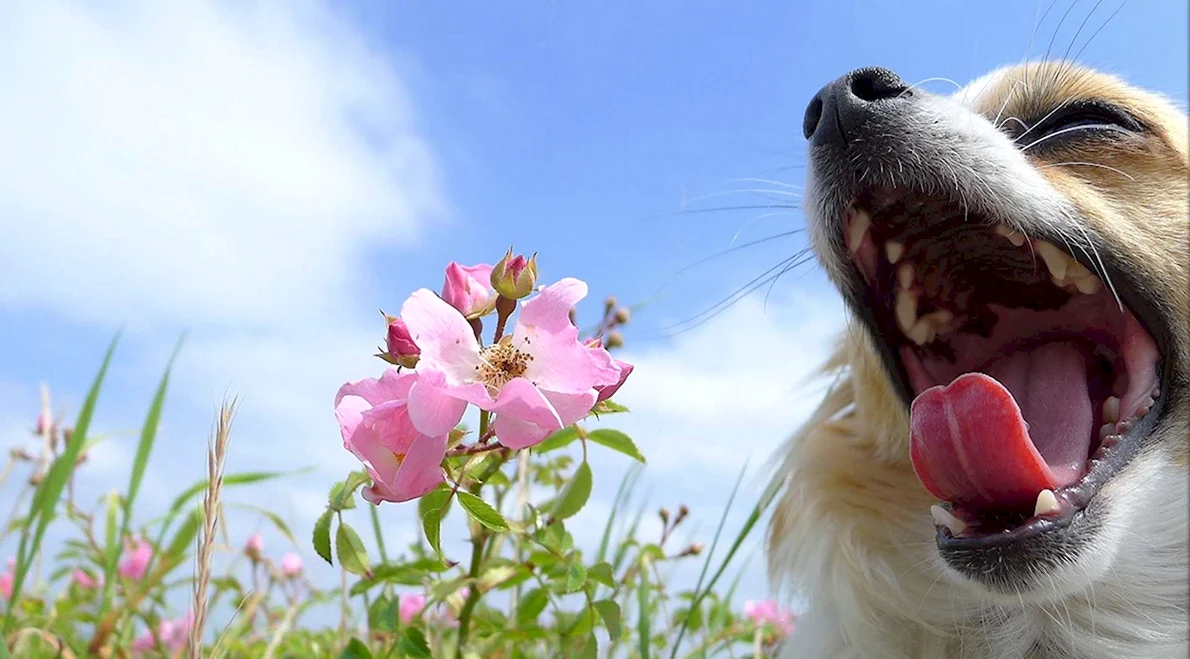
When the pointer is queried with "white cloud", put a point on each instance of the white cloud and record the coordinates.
(198, 162)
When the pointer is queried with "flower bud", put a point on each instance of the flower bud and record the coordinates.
(622, 315)
(291, 565)
(514, 277)
(254, 548)
(45, 424)
(664, 513)
(400, 344)
(467, 289)
(615, 340)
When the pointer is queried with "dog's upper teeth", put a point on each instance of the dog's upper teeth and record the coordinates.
(1055, 260)
(1012, 236)
(922, 332)
(1111, 410)
(905, 275)
(894, 250)
(943, 517)
(906, 309)
(1088, 285)
(1106, 429)
(860, 223)
(1046, 503)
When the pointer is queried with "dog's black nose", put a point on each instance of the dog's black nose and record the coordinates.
(849, 102)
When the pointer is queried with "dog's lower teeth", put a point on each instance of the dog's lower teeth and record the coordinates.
(1047, 503)
(1111, 410)
(1106, 430)
(943, 517)
(905, 275)
(906, 309)
(922, 332)
(894, 250)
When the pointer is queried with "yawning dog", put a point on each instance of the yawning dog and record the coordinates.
(1001, 469)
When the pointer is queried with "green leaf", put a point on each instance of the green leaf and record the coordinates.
(575, 495)
(590, 648)
(531, 606)
(355, 650)
(601, 572)
(183, 538)
(351, 552)
(559, 439)
(45, 498)
(481, 512)
(576, 575)
(616, 441)
(643, 621)
(384, 613)
(610, 612)
(342, 496)
(322, 536)
(608, 407)
(413, 644)
(433, 508)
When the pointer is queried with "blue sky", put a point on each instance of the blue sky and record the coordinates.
(266, 175)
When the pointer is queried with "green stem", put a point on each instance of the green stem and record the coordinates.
(478, 541)
(379, 535)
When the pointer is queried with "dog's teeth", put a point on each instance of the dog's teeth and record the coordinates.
(1088, 285)
(906, 309)
(905, 275)
(894, 250)
(860, 223)
(1054, 258)
(922, 332)
(1106, 429)
(1046, 503)
(1013, 237)
(943, 517)
(1111, 410)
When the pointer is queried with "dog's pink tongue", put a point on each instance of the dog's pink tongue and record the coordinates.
(970, 443)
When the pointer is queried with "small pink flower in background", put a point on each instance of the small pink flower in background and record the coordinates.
(254, 547)
(172, 634)
(538, 380)
(411, 606)
(400, 344)
(468, 289)
(375, 421)
(291, 565)
(85, 580)
(767, 612)
(44, 423)
(137, 555)
(7, 578)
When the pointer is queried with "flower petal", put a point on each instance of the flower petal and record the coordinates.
(519, 399)
(391, 385)
(518, 433)
(433, 411)
(606, 392)
(447, 342)
(421, 471)
(549, 310)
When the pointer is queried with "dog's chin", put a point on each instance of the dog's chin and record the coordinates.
(1033, 379)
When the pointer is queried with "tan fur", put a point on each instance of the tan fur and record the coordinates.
(851, 529)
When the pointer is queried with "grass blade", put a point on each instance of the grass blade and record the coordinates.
(50, 489)
(700, 593)
(144, 448)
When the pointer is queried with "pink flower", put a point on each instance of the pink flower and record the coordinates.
(606, 392)
(538, 380)
(6, 579)
(468, 289)
(85, 580)
(136, 560)
(411, 606)
(400, 344)
(291, 565)
(254, 547)
(375, 420)
(171, 634)
(767, 612)
(44, 423)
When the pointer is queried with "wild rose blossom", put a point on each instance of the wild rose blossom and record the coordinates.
(6, 579)
(172, 634)
(375, 422)
(469, 289)
(136, 559)
(411, 606)
(291, 565)
(768, 612)
(537, 380)
(85, 580)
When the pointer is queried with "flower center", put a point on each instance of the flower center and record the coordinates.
(501, 362)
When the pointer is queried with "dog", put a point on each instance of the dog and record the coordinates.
(1000, 467)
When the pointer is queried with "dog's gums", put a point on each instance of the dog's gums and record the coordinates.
(1027, 370)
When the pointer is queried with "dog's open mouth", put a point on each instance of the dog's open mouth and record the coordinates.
(1026, 369)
